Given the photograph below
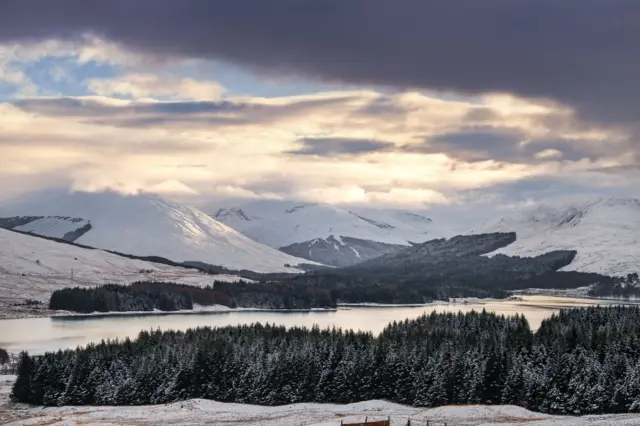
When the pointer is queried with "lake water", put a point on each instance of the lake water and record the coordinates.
(38, 335)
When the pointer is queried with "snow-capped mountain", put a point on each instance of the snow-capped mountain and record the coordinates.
(144, 225)
(604, 231)
(33, 267)
(327, 234)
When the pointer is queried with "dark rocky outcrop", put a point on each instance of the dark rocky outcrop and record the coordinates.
(345, 251)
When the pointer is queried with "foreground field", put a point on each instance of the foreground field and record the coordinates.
(201, 412)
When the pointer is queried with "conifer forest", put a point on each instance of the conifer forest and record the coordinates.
(579, 361)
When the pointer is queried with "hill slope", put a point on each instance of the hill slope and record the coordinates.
(146, 225)
(325, 233)
(443, 268)
(33, 267)
(605, 232)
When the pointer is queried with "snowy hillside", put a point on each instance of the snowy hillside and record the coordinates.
(325, 233)
(147, 225)
(33, 267)
(66, 228)
(604, 231)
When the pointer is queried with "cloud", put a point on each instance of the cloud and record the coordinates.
(172, 186)
(329, 147)
(555, 185)
(478, 145)
(549, 153)
(44, 66)
(229, 112)
(146, 85)
(514, 145)
(583, 54)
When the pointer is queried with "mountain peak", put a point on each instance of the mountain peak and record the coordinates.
(230, 214)
(326, 233)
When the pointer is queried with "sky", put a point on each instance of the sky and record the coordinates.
(422, 104)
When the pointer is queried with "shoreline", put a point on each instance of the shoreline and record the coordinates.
(204, 311)
(572, 294)
(451, 301)
(221, 309)
(13, 314)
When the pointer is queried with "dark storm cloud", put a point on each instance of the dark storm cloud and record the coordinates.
(582, 52)
(508, 146)
(329, 147)
(478, 145)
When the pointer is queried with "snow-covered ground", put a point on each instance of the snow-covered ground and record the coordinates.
(279, 223)
(204, 412)
(32, 267)
(605, 232)
(148, 225)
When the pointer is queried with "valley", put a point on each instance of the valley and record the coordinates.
(319, 213)
(76, 278)
(488, 265)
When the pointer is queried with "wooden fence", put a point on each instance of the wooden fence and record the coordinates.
(368, 423)
(387, 422)
(411, 422)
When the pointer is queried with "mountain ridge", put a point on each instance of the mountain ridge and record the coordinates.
(604, 231)
(325, 233)
(148, 225)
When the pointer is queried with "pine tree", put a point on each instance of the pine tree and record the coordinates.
(21, 390)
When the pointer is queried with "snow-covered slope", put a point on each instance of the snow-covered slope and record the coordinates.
(604, 231)
(33, 267)
(67, 228)
(148, 225)
(206, 412)
(326, 233)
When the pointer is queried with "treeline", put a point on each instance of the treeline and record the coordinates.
(119, 298)
(623, 287)
(580, 361)
(164, 296)
(461, 262)
(276, 295)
